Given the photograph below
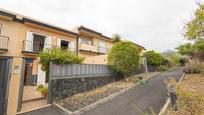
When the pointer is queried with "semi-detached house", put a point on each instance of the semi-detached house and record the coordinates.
(23, 38)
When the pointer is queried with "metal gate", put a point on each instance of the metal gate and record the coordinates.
(5, 68)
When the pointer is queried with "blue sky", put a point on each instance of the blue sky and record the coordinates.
(155, 24)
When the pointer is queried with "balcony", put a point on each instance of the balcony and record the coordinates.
(89, 48)
(93, 49)
(103, 50)
(4, 43)
(34, 47)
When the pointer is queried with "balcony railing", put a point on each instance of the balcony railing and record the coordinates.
(4, 43)
(86, 47)
(93, 48)
(34, 47)
(103, 50)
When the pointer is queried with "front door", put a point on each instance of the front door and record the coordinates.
(5, 67)
(29, 78)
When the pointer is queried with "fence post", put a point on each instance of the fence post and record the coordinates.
(50, 83)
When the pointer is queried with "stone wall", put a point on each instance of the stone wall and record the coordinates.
(65, 87)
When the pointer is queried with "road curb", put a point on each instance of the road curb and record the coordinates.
(94, 105)
(166, 105)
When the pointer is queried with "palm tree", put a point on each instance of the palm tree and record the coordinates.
(116, 38)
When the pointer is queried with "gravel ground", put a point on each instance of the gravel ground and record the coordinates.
(81, 100)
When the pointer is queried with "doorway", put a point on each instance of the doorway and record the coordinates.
(5, 70)
(29, 79)
(29, 96)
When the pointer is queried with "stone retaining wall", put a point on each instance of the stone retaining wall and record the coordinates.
(65, 87)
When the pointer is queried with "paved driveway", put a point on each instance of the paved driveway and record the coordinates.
(45, 111)
(142, 97)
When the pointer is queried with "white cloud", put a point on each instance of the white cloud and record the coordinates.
(155, 24)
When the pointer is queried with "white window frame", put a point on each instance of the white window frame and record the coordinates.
(102, 49)
(69, 45)
(63, 40)
(45, 35)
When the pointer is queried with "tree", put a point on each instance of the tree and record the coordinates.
(185, 49)
(153, 58)
(124, 57)
(172, 57)
(57, 56)
(116, 38)
(198, 49)
(194, 29)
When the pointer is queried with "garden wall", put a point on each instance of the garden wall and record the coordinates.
(70, 79)
(62, 88)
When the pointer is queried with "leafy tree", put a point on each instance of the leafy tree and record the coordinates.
(198, 49)
(116, 38)
(194, 29)
(124, 57)
(58, 56)
(185, 49)
(172, 57)
(153, 58)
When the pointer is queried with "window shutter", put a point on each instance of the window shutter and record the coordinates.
(28, 45)
(72, 46)
(48, 42)
(58, 43)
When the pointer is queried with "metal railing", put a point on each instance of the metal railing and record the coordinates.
(34, 47)
(4, 42)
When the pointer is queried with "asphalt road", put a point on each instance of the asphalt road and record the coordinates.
(140, 98)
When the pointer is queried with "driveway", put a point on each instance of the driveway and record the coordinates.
(44, 111)
(140, 98)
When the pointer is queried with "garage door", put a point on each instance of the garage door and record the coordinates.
(5, 67)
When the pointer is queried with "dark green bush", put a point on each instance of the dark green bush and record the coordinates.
(124, 57)
(58, 56)
(163, 68)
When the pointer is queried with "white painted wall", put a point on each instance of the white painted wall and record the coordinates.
(41, 76)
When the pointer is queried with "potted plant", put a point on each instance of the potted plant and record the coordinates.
(45, 92)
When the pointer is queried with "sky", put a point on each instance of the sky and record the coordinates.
(154, 24)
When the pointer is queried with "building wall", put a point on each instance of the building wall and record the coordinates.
(100, 59)
(14, 87)
(94, 57)
(17, 32)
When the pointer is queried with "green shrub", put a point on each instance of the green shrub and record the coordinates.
(40, 87)
(154, 58)
(44, 90)
(58, 56)
(124, 57)
(163, 68)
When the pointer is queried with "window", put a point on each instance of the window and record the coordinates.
(38, 42)
(64, 44)
(85, 41)
(102, 47)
